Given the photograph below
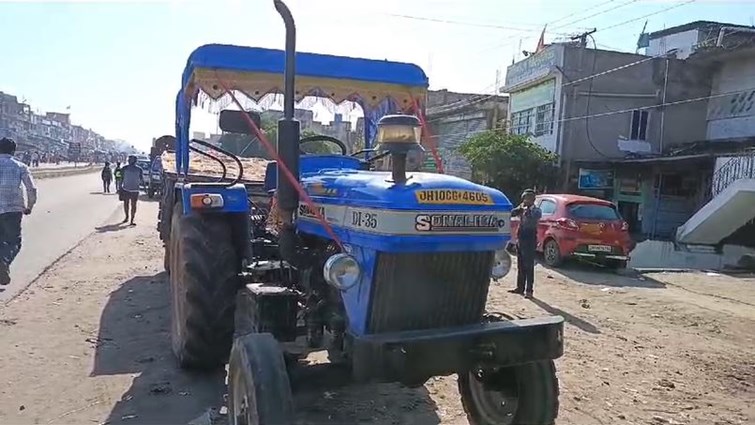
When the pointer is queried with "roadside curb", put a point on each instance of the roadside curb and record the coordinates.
(50, 173)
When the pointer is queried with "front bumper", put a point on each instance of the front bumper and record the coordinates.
(412, 357)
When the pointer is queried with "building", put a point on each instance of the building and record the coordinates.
(50, 132)
(455, 117)
(644, 131)
(685, 40)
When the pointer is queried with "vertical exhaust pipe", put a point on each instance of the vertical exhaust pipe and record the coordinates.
(288, 126)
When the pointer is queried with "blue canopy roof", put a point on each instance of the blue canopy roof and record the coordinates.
(257, 59)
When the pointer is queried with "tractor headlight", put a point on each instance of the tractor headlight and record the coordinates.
(342, 271)
(501, 264)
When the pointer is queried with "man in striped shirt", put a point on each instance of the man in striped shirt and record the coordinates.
(13, 174)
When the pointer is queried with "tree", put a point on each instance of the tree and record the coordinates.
(509, 162)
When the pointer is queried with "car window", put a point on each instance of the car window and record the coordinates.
(547, 207)
(587, 211)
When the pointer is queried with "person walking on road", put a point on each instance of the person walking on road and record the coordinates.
(118, 176)
(13, 174)
(133, 178)
(107, 177)
(529, 215)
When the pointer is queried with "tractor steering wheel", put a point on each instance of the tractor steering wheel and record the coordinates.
(322, 138)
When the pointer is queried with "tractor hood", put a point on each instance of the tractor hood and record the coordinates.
(423, 191)
(430, 213)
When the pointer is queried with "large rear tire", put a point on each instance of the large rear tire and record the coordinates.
(259, 391)
(204, 280)
(519, 395)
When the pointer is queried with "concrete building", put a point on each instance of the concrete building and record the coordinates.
(455, 117)
(50, 132)
(555, 98)
(644, 131)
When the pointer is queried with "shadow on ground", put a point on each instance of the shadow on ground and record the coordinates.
(568, 317)
(134, 338)
(144, 198)
(591, 274)
(111, 227)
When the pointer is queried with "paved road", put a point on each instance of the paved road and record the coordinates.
(69, 209)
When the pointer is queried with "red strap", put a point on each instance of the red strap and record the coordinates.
(428, 136)
(282, 167)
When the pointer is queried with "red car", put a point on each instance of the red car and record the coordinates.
(574, 226)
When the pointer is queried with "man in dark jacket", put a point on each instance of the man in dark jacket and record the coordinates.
(107, 177)
(529, 215)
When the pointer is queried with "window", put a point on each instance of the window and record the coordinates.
(537, 121)
(548, 207)
(544, 120)
(639, 126)
(521, 122)
(585, 211)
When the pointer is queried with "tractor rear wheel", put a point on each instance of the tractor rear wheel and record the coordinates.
(259, 391)
(518, 395)
(203, 278)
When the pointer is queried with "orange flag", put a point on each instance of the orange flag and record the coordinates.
(541, 41)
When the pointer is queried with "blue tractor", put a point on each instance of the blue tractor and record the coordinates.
(388, 271)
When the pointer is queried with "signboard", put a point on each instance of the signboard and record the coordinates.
(535, 66)
(595, 179)
(74, 151)
(541, 94)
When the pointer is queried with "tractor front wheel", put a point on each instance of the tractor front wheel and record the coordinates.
(518, 395)
(204, 269)
(259, 391)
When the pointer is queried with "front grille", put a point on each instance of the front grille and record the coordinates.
(429, 290)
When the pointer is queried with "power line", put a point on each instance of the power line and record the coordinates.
(627, 3)
(563, 25)
(648, 15)
(461, 103)
(624, 111)
(580, 11)
(462, 23)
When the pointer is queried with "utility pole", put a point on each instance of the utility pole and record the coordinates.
(568, 148)
(583, 37)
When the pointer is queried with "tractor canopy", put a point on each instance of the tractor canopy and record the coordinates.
(379, 87)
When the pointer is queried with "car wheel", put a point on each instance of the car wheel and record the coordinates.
(552, 253)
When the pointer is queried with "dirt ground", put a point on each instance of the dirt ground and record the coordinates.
(88, 343)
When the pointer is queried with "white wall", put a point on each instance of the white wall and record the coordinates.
(733, 115)
(684, 42)
(543, 93)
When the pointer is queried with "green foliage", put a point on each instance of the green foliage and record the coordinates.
(318, 147)
(509, 162)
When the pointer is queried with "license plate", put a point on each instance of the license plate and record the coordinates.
(599, 248)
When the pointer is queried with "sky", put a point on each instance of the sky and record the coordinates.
(118, 64)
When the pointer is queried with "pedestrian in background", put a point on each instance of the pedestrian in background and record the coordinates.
(118, 177)
(529, 216)
(107, 177)
(13, 174)
(133, 179)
